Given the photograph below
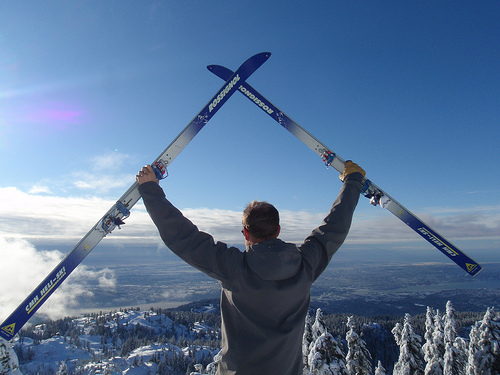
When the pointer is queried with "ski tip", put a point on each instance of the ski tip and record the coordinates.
(263, 56)
(219, 68)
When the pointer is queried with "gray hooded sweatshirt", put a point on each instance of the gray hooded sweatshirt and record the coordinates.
(265, 289)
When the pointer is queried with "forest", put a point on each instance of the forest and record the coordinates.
(186, 340)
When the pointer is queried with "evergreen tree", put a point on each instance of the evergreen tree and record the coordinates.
(427, 348)
(318, 327)
(326, 357)
(212, 366)
(307, 339)
(63, 369)
(474, 337)
(435, 364)
(9, 364)
(455, 356)
(359, 359)
(410, 348)
(380, 370)
(450, 322)
(484, 347)
(198, 369)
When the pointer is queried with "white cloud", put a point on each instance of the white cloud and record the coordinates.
(102, 183)
(50, 219)
(29, 219)
(109, 161)
(472, 230)
(105, 173)
(31, 216)
(37, 189)
(25, 267)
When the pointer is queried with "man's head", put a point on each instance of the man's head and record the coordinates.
(261, 221)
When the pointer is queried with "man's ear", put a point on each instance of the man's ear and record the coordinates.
(278, 232)
(245, 233)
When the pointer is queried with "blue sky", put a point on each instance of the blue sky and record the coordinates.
(91, 91)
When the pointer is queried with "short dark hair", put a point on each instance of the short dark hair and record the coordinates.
(261, 219)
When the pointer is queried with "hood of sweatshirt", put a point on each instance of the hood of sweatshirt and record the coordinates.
(274, 259)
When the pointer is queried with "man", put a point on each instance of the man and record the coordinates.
(265, 289)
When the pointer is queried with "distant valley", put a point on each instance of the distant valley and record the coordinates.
(366, 289)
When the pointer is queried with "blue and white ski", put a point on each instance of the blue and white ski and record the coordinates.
(121, 210)
(376, 195)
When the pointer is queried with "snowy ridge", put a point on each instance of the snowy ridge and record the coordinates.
(128, 342)
(187, 342)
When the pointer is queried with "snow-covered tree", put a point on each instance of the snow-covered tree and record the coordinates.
(410, 348)
(326, 357)
(359, 359)
(474, 337)
(318, 327)
(380, 370)
(484, 346)
(198, 369)
(435, 363)
(63, 369)
(212, 366)
(307, 338)
(455, 356)
(450, 322)
(9, 364)
(427, 348)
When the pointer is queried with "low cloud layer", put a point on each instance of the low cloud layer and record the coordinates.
(25, 267)
(52, 219)
(30, 219)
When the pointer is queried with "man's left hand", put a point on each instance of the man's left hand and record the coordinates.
(146, 174)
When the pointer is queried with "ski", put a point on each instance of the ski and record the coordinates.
(376, 195)
(121, 210)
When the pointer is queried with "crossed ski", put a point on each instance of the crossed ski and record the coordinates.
(121, 210)
(376, 195)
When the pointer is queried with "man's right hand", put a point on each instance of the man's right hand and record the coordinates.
(146, 174)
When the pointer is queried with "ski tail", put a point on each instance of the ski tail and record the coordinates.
(121, 210)
(376, 195)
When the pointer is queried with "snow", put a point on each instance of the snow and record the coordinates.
(89, 353)
(9, 365)
(54, 350)
(86, 352)
(145, 368)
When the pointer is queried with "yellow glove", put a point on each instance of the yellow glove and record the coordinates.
(350, 167)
